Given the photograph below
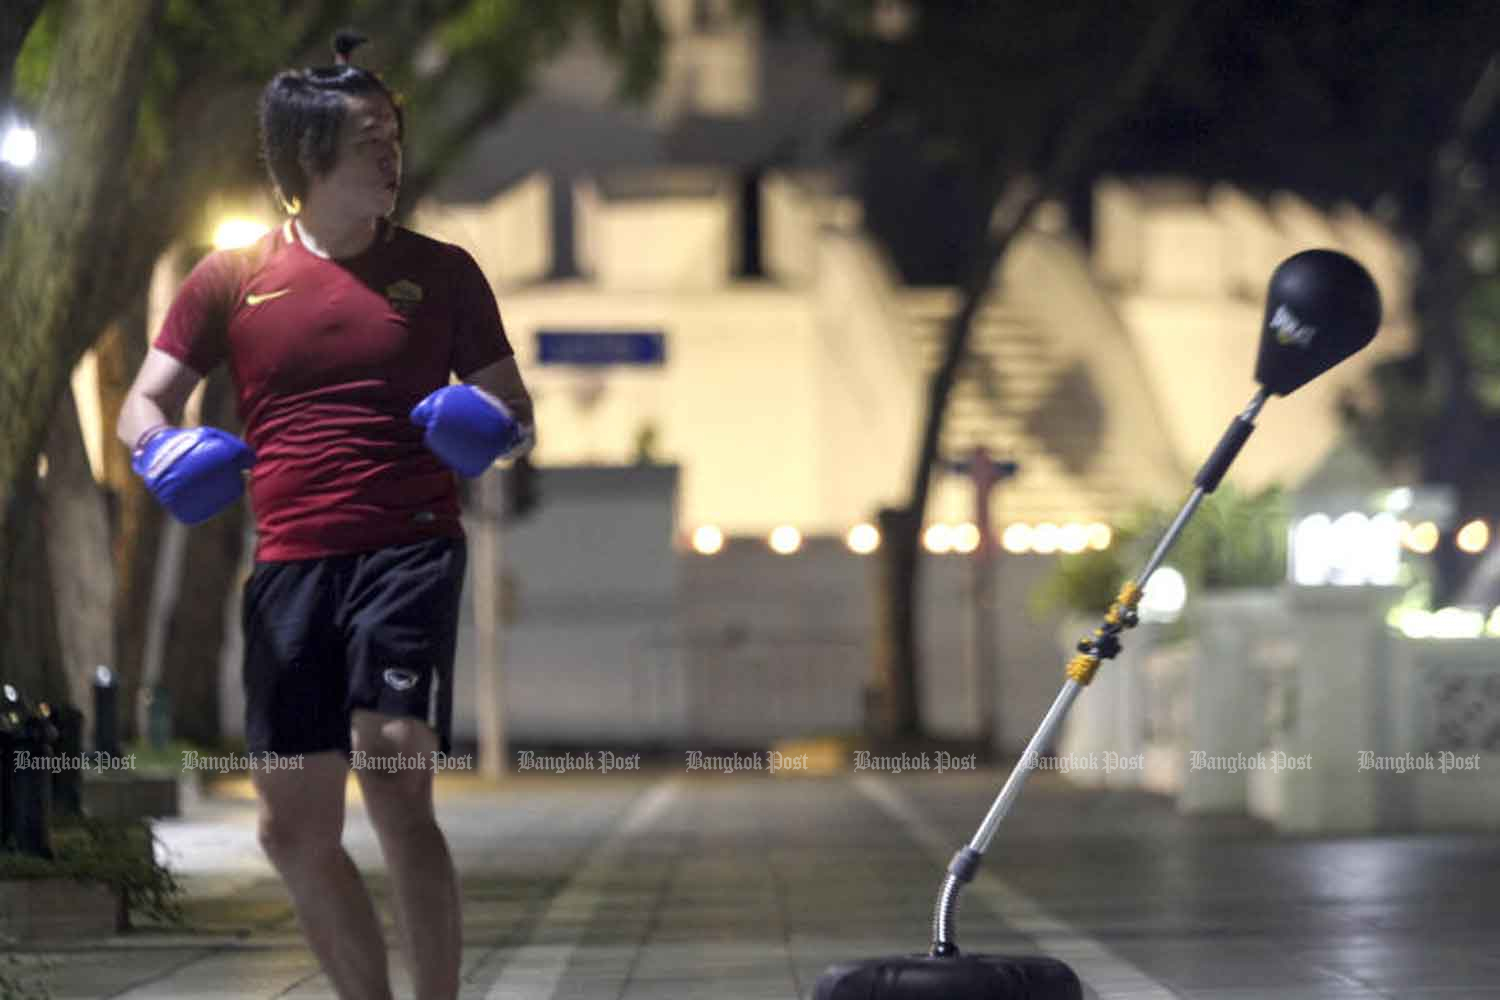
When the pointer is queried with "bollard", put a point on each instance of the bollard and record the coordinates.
(67, 782)
(106, 713)
(11, 718)
(27, 787)
(159, 717)
(33, 785)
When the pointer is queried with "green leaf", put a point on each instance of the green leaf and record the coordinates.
(34, 62)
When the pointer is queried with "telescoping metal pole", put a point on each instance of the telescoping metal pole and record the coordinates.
(1322, 306)
(1100, 645)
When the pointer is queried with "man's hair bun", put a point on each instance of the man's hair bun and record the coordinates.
(345, 41)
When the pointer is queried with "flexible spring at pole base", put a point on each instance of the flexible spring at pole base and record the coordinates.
(945, 915)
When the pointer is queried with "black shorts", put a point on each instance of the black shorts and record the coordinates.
(374, 630)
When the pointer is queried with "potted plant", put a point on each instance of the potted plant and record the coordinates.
(100, 873)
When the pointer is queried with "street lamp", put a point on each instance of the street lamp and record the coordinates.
(18, 146)
(237, 231)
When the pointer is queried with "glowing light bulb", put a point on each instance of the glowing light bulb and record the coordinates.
(707, 540)
(938, 538)
(236, 232)
(863, 539)
(1017, 538)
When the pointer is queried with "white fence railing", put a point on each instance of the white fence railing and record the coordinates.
(1300, 706)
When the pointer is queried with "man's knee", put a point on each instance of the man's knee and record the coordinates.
(387, 739)
(396, 781)
(289, 837)
(302, 811)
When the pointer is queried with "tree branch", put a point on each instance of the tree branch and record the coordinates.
(1013, 202)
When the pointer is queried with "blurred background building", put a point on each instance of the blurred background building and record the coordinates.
(762, 337)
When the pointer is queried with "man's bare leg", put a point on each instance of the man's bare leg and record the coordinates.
(399, 803)
(301, 831)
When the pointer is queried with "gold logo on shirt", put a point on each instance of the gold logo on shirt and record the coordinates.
(404, 296)
(255, 299)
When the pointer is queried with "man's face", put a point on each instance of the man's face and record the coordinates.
(367, 174)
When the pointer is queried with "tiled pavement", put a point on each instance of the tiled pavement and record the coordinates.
(676, 885)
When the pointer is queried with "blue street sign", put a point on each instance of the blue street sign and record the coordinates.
(591, 347)
(965, 467)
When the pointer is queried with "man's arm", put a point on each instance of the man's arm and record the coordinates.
(156, 397)
(488, 417)
(194, 473)
(503, 381)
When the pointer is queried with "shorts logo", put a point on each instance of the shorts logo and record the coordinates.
(400, 680)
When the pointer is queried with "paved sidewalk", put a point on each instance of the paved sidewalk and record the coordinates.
(683, 885)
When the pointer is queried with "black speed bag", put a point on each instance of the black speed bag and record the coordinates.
(1321, 307)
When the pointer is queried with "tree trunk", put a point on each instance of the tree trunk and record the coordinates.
(1444, 280)
(196, 626)
(895, 709)
(30, 657)
(78, 546)
(137, 520)
(1009, 204)
(60, 240)
(1459, 432)
(898, 655)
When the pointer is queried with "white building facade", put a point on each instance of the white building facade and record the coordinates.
(797, 397)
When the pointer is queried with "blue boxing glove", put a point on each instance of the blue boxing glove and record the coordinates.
(469, 430)
(193, 473)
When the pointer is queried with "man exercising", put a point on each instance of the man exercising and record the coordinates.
(340, 331)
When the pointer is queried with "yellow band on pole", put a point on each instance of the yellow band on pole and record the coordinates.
(1104, 643)
(1081, 668)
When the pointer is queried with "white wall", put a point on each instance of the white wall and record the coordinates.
(792, 403)
(592, 581)
(510, 235)
(711, 72)
(683, 242)
(735, 403)
(1047, 278)
(870, 392)
(789, 230)
(800, 401)
(621, 636)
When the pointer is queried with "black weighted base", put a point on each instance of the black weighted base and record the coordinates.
(964, 977)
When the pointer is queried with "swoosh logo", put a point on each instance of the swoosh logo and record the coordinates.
(252, 299)
(400, 680)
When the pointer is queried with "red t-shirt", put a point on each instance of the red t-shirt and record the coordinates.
(328, 358)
